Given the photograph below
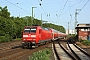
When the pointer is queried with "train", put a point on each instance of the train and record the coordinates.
(36, 35)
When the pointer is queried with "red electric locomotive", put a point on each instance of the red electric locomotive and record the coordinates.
(33, 35)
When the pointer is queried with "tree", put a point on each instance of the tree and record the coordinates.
(56, 27)
(4, 12)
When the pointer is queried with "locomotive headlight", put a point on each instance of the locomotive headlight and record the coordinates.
(25, 35)
(23, 42)
(24, 39)
(34, 39)
(33, 36)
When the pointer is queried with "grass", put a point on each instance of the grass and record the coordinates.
(86, 42)
(41, 55)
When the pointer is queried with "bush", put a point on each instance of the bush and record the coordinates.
(2, 39)
(5, 38)
(41, 55)
(86, 42)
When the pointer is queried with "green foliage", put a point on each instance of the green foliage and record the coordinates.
(86, 42)
(37, 22)
(13, 26)
(2, 39)
(5, 38)
(41, 55)
(56, 27)
(71, 36)
(4, 12)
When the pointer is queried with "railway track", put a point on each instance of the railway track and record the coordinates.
(13, 54)
(72, 53)
(19, 53)
(78, 52)
(61, 52)
(9, 45)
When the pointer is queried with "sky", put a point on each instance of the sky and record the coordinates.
(58, 12)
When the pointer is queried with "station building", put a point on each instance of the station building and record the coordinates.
(83, 31)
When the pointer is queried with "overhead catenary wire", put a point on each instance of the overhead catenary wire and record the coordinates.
(28, 2)
(79, 3)
(85, 4)
(76, 3)
(42, 7)
(18, 6)
(63, 8)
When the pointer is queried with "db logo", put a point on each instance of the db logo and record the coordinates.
(29, 35)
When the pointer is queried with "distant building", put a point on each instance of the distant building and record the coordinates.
(70, 32)
(83, 31)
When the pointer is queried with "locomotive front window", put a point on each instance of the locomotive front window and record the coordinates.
(33, 30)
(30, 30)
(27, 30)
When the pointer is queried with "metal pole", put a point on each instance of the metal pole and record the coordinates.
(41, 19)
(76, 18)
(32, 16)
(68, 28)
(71, 18)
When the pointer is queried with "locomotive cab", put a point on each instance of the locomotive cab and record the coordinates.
(29, 36)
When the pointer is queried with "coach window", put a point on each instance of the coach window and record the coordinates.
(88, 29)
(85, 29)
(82, 29)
